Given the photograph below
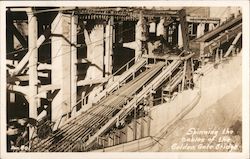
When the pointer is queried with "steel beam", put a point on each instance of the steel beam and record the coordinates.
(33, 60)
(233, 44)
(73, 63)
(193, 19)
(23, 63)
(109, 32)
(18, 35)
(21, 9)
(219, 29)
(91, 81)
(22, 89)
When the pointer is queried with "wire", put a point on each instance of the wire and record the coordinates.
(48, 59)
(76, 49)
(13, 52)
(49, 10)
(93, 58)
(53, 10)
(88, 93)
(90, 60)
(43, 11)
(80, 47)
(69, 52)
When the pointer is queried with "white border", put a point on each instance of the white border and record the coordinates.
(123, 155)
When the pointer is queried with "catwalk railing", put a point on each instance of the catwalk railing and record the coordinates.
(92, 123)
(113, 82)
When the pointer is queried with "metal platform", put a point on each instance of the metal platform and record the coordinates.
(98, 119)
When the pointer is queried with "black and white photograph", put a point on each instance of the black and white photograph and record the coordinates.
(123, 78)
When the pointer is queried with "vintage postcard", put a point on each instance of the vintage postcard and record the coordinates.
(126, 79)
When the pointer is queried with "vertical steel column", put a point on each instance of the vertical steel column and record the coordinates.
(61, 68)
(109, 46)
(142, 127)
(9, 33)
(184, 29)
(151, 98)
(180, 39)
(73, 54)
(217, 56)
(202, 53)
(184, 75)
(135, 124)
(139, 37)
(221, 54)
(56, 64)
(33, 60)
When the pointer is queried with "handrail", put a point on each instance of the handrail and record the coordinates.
(162, 132)
(116, 85)
(149, 141)
(233, 44)
(85, 98)
(111, 76)
(120, 115)
(123, 66)
(80, 101)
(219, 29)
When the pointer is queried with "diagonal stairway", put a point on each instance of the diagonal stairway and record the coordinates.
(90, 124)
(87, 120)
